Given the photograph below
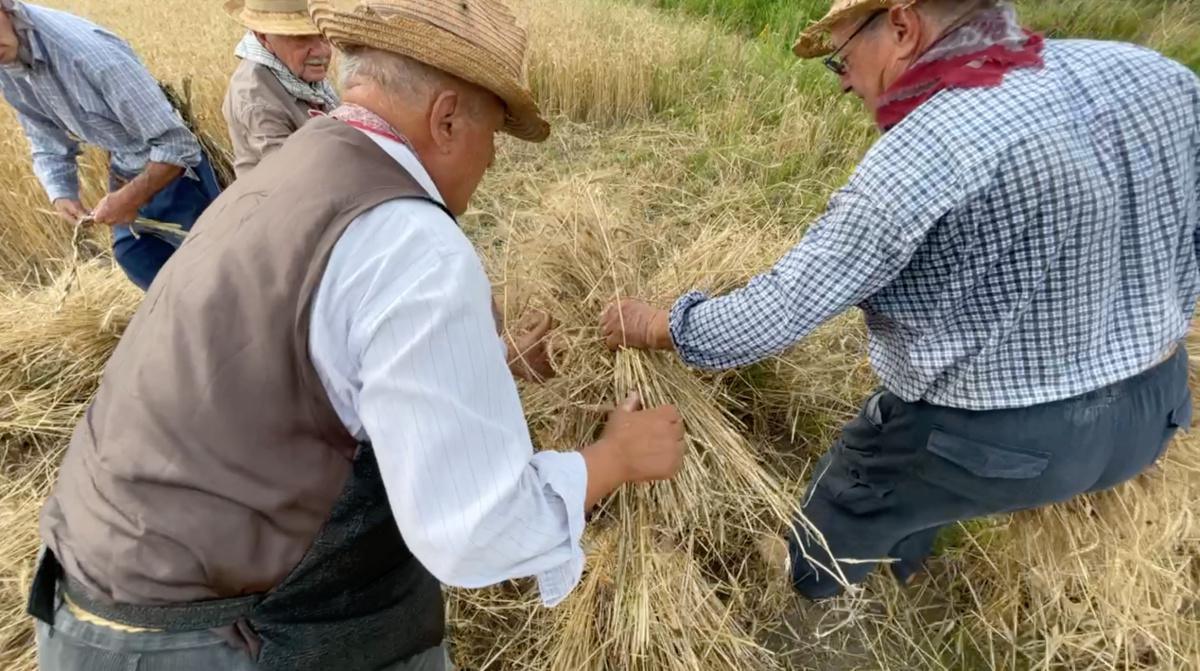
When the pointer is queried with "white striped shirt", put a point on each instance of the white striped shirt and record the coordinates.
(405, 342)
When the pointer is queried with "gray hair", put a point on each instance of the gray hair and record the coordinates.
(397, 75)
(403, 77)
(946, 12)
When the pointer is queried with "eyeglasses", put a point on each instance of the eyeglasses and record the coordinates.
(838, 66)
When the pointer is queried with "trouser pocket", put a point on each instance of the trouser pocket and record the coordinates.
(999, 476)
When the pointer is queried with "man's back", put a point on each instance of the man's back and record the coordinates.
(1052, 226)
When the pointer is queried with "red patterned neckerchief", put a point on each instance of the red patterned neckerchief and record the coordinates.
(977, 54)
(365, 120)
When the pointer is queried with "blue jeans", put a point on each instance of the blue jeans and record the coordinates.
(181, 202)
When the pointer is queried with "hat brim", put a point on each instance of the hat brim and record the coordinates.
(294, 24)
(440, 49)
(814, 42)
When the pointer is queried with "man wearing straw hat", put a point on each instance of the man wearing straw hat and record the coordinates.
(280, 80)
(1023, 244)
(71, 81)
(309, 422)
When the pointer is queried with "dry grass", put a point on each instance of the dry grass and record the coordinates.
(53, 342)
(682, 158)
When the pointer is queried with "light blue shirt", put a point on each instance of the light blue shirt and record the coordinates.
(83, 84)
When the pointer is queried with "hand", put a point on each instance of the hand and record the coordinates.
(71, 210)
(118, 207)
(528, 356)
(636, 446)
(633, 323)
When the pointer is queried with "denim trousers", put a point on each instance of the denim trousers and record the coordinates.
(901, 471)
(181, 202)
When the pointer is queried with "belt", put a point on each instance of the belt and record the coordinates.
(83, 616)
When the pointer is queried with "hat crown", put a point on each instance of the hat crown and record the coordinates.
(486, 24)
(477, 41)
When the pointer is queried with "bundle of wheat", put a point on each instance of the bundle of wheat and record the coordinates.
(216, 148)
(687, 546)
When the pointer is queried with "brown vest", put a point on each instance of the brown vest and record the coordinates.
(211, 456)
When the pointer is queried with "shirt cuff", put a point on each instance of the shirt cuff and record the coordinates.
(679, 324)
(65, 187)
(565, 476)
(188, 163)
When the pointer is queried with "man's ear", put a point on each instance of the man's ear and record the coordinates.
(905, 28)
(445, 119)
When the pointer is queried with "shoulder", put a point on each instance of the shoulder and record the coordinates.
(89, 46)
(400, 239)
(253, 92)
(400, 253)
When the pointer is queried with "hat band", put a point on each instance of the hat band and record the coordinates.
(277, 6)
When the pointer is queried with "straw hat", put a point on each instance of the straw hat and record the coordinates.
(814, 41)
(272, 17)
(478, 41)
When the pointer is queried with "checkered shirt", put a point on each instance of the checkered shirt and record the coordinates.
(81, 83)
(1008, 246)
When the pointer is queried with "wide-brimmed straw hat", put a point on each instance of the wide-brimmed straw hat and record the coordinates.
(814, 41)
(478, 41)
(273, 17)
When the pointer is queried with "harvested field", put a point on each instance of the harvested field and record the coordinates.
(686, 154)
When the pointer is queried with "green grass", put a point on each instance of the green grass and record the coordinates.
(1169, 26)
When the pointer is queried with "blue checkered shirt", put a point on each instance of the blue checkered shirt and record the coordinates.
(77, 82)
(1008, 246)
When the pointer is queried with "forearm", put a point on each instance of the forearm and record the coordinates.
(604, 472)
(156, 177)
(58, 175)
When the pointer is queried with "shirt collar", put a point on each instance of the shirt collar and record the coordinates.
(409, 161)
(31, 51)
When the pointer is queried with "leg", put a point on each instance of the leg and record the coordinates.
(141, 258)
(864, 502)
(910, 554)
(901, 471)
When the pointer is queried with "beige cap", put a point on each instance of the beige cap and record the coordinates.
(273, 17)
(478, 41)
(814, 41)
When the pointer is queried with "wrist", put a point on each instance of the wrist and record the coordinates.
(660, 331)
(605, 470)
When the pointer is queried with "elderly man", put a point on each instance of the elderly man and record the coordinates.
(280, 80)
(1023, 243)
(309, 422)
(71, 81)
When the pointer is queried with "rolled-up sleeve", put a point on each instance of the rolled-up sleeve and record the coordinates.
(55, 157)
(850, 253)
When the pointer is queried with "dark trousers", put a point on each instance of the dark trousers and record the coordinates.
(901, 471)
(181, 202)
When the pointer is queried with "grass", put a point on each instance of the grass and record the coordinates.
(685, 154)
(1170, 26)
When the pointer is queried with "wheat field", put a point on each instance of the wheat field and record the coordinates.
(683, 156)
